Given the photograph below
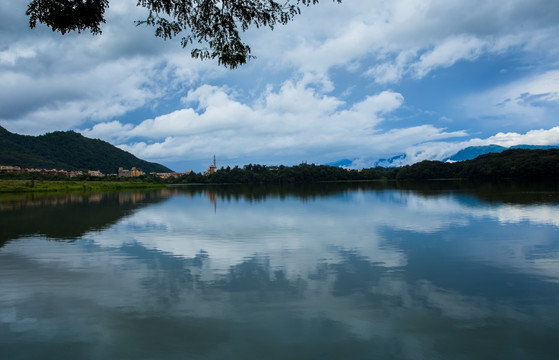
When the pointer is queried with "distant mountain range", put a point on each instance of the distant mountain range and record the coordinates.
(68, 150)
(468, 153)
(395, 161)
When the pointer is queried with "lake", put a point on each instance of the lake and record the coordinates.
(440, 270)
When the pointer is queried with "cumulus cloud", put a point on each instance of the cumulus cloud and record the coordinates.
(535, 137)
(282, 125)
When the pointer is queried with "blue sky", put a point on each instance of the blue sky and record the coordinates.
(361, 80)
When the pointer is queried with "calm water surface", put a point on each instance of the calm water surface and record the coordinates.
(358, 271)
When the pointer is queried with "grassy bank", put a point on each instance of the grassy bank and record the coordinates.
(19, 186)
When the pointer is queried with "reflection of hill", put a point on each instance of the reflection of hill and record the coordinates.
(519, 192)
(522, 192)
(78, 213)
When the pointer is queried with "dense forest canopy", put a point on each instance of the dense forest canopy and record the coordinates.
(510, 164)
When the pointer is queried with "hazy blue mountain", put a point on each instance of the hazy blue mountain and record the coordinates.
(341, 163)
(395, 161)
(468, 153)
(68, 151)
(472, 152)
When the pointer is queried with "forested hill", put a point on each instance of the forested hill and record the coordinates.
(68, 151)
(509, 164)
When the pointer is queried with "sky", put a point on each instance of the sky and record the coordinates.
(361, 80)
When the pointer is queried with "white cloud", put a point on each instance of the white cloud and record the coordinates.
(533, 137)
(447, 53)
(54, 82)
(527, 99)
(99, 93)
(384, 102)
(395, 38)
(393, 70)
(13, 54)
(292, 122)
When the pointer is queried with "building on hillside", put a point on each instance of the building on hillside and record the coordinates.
(48, 171)
(211, 169)
(122, 172)
(10, 169)
(53, 172)
(95, 173)
(136, 172)
(167, 175)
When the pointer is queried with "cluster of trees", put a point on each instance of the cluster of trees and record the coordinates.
(510, 164)
(303, 173)
(299, 174)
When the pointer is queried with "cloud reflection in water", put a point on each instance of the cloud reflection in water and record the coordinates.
(360, 273)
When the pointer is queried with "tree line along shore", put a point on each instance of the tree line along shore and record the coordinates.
(509, 164)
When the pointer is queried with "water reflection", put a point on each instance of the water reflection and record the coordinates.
(68, 216)
(360, 271)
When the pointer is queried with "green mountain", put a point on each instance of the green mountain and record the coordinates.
(473, 152)
(538, 164)
(68, 150)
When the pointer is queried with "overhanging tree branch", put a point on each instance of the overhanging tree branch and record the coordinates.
(216, 23)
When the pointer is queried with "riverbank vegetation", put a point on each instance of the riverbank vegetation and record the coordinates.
(510, 164)
(32, 185)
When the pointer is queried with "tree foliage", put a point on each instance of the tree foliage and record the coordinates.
(68, 15)
(214, 23)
